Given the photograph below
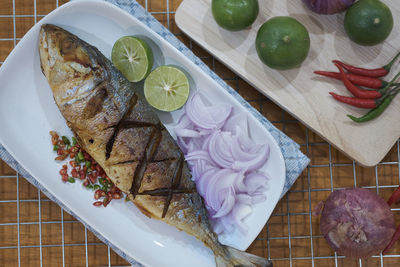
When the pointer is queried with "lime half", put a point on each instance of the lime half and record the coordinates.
(166, 88)
(133, 57)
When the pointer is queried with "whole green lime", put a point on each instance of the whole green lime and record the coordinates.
(368, 22)
(282, 43)
(235, 15)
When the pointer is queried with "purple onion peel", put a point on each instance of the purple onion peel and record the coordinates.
(328, 6)
(356, 222)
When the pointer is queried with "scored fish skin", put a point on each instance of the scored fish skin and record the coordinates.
(116, 126)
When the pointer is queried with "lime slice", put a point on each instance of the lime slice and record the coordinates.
(133, 57)
(166, 88)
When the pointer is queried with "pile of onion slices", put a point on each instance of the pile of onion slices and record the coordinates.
(224, 162)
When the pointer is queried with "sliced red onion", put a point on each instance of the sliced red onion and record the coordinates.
(187, 133)
(182, 144)
(199, 167)
(184, 123)
(238, 125)
(228, 202)
(219, 149)
(206, 117)
(198, 155)
(255, 183)
(242, 153)
(239, 185)
(204, 180)
(224, 162)
(237, 121)
(244, 199)
(199, 143)
(255, 163)
(239, 213)
(222, 179)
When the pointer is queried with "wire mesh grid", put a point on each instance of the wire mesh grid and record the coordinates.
(290, 238)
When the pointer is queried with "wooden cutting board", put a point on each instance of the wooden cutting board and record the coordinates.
(299, 91)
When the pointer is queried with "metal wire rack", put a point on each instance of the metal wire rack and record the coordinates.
(34, 231)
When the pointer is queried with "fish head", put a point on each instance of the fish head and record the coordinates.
(68, 63)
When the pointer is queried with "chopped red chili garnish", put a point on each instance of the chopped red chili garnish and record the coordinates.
(85, 168)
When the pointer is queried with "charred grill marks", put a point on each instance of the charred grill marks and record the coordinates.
(169, 192)
(165, 192)
(119, 126)
(150, 161)
(125, 162)
(151, 148)
(110, 143)
(163, 160)
(176, 180)
(126, 124)
(134, 124)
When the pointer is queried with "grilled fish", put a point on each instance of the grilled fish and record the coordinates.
(115, 125)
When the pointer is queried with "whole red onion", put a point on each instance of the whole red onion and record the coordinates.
(328, 6)
(356, 222)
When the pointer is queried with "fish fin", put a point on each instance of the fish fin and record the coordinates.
(240, 258)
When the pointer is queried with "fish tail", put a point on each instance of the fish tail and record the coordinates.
(238, 258)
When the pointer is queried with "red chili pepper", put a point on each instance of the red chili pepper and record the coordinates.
(369, 82)
(379, 72)
(117, 196)
(113, 190)
(74, 173)
(98, 168)
(86, 155)
(106, 201)
(65, 178)
(355, 101)
(356, 91)
(394, 197)
(61, 157)
(54, 141)
(98, 194)
(395, 237)
(97, 203)
(92, 178)
(82, 174)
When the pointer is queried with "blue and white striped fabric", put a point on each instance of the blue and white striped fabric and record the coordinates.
(295, 160)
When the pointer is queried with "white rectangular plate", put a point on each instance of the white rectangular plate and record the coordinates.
(28, 113)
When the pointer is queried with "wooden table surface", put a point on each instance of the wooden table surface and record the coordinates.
(34, 231)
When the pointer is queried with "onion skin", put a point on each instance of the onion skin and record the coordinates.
(328, 6)
(357, 223)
